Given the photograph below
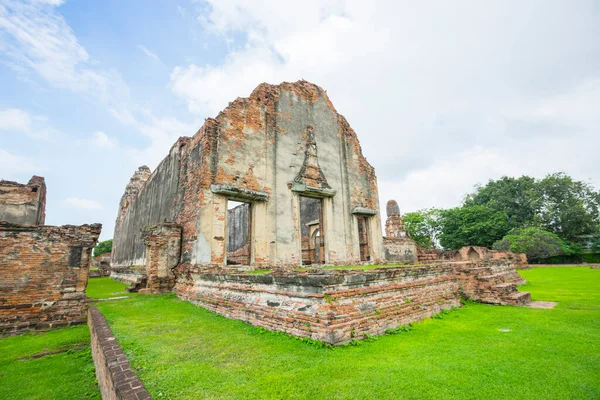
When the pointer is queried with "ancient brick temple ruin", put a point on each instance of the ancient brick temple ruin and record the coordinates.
(277, 182)
(43, 269)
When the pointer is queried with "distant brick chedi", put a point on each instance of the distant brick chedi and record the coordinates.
(278, 181)
(43, 269)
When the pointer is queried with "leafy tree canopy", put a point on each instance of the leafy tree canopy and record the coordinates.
(517, 197)
(556, 203)
(103, 248)
(423, 226)
(568, 208)
(471, 225)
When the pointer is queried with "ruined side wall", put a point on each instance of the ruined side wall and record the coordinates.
(43, 275)
(157, 201)
(23, 204)
(332, 307)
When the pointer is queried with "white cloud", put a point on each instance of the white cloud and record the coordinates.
(84, 204)
(102, 141)
(38, 39)
(13, 119)
(148, 52)
(442, 96)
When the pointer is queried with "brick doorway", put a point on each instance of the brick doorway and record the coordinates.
(239, 228)
(363, 238)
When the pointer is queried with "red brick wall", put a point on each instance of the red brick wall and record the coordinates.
(43, 275)
(115, 378)
(23, 203)
(334, 306)
(339, 306)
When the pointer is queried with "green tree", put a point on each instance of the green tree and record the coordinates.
(517, 197)
(423, 226)
(475, 225)
(534, 242)
(103, 248)
(568, 208)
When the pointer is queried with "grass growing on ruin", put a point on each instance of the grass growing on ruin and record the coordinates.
(29, 370)
(357, 267)
(104, 288)
(259, 271)
(182, 351)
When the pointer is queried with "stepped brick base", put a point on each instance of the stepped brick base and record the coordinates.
(338, 306)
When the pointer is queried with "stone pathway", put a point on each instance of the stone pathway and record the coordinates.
(541, 304)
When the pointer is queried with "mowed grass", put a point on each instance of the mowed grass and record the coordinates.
(66, 375)
(182, 351)
(104, 288)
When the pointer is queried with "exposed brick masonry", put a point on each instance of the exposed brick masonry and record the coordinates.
(338, 306)
(44, 272)
(23, 203)
(115, 378)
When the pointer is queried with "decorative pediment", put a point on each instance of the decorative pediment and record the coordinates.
(311, 178)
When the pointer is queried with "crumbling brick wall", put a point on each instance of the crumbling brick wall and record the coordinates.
(101, 264)
(163, 246)
(279, 144)
(331, 306)
(43, 275)
(339, 306)
(23, 204)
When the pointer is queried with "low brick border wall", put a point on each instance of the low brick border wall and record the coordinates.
(115, 378)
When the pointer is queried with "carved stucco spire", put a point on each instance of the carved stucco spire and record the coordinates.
(311, 174)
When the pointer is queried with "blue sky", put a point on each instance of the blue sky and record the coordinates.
(443, 95)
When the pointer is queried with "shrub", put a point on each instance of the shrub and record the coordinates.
(536, 243)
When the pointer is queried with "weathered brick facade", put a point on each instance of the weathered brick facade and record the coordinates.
(283, 143)
(23, 204)
(43, 275)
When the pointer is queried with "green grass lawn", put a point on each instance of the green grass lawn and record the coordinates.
(66, 375)
(182, 351)
(103, 288)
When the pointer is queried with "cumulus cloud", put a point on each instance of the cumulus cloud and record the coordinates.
(84, 204)
(149, 53)
(442, 95)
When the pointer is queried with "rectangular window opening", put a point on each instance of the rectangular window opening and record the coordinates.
(239, 227)
(312, 234)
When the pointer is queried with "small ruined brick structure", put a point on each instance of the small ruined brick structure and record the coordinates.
(43, 269)
(308, 198)
(284, 152)
(100, 266)
(23, 204)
